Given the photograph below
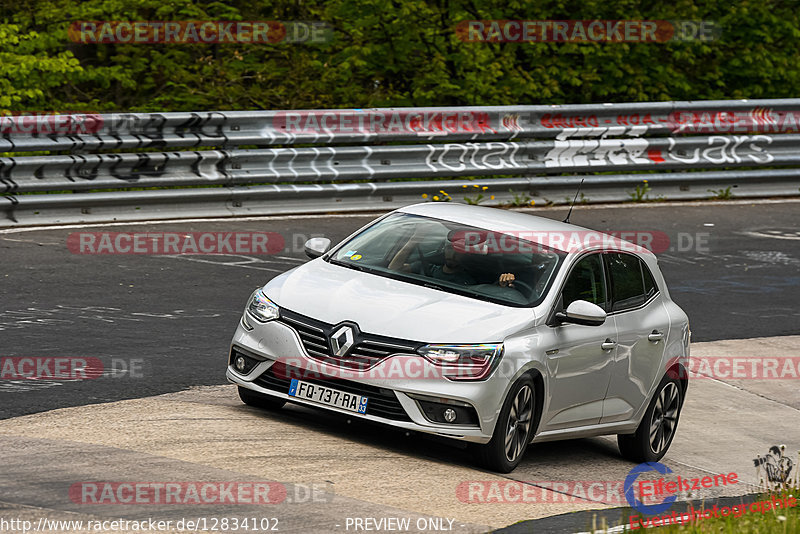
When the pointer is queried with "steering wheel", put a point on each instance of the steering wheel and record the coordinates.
(518, 284)
(422, 259)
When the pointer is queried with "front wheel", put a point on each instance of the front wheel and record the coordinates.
(258, 400)
(512, 431)
(654, 435)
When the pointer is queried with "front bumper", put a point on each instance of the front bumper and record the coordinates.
(398, 387)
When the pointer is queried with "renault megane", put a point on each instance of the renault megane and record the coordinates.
(479, 324)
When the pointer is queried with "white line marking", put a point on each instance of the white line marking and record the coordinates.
(204, 219)
(375, 213)
(28, 241)
(244, 264)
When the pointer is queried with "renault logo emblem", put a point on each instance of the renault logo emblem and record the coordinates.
(342, 340)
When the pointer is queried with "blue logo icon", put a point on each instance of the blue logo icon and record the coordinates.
(630, 481)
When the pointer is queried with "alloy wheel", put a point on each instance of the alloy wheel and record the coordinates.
(519, 423)
(665, 418)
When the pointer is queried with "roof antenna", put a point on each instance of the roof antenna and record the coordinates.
(573, 200)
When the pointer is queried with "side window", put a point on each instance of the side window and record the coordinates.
(627, 285)
(650, 287)
(586, 282)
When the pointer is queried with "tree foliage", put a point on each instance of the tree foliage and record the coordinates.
(390, 53)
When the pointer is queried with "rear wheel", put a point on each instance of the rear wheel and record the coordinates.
(258, 400)
(512, 431)
(654, 434)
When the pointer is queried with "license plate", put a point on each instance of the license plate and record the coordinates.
(328, 396)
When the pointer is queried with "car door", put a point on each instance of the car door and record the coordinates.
(579, 359)
(642, 324)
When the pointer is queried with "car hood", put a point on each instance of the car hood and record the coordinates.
(388, 307)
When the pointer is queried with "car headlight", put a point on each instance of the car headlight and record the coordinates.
(464, 362)
(261, 308)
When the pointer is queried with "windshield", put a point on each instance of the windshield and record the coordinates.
(453, 257)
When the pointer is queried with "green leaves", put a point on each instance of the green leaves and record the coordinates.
(389, 53)
(25, 73)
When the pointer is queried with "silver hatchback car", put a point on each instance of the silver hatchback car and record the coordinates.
(479, 324)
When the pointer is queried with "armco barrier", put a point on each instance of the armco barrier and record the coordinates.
(319, 160)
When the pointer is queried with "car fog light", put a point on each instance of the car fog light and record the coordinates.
(449, 415)
(240, 364)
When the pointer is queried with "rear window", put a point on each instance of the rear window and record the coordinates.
(627, 284)
(650, 287)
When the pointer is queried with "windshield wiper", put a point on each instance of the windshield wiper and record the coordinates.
(354, 266)
(434, 286)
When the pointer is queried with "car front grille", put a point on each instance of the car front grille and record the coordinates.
(367, 351)
(382, 402)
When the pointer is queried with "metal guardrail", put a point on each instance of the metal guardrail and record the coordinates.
(313, 157)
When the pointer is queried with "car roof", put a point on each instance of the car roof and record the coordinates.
(510, 222)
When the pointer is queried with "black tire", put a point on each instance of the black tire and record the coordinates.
(258, 400)
(508, 445)
(654, 435)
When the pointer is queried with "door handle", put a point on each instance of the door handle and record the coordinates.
(608, 344)
(655, 336)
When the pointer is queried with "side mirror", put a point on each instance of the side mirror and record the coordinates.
(317, 246)
(582, 312)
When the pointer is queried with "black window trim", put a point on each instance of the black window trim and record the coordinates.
(329, 257)
(642, 266)
(558, 305)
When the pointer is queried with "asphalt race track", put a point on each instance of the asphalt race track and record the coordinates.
(162, 411)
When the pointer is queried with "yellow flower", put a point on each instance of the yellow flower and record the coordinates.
(435, 198)
(424, 195)
(491, 197)
(645, 181)
(464, 186)
(442, 192)
(484, 188)
(533, 202)
(476, 185)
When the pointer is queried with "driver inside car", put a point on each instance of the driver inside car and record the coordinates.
(452, 270)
